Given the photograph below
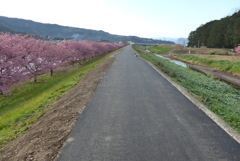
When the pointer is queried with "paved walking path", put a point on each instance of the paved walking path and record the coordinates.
(136, 115)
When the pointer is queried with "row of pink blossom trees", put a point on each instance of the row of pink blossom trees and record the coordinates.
(23, 57)
(237, 49)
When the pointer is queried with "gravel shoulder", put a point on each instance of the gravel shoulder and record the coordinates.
(45, 138)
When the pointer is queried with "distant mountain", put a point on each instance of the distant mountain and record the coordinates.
(181, 40)
(4, 28)
(54, 31)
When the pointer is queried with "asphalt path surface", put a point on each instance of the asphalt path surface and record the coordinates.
(137, 115)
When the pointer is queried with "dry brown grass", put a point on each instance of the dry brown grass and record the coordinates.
(219, 57)
(206, 51)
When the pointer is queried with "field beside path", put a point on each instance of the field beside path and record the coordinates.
(228, 64)
(187, 50)
(215, 62)
(218, 96)
(49, 111)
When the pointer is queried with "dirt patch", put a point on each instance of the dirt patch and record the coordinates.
(45, 138)
(234, 80)
(207, 51)
(220, 57)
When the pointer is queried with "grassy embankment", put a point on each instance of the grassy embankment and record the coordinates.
(221, 98)
(28, 102)
(160, 49)
(229, 66)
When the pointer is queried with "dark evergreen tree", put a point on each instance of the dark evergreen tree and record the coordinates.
(224, 33)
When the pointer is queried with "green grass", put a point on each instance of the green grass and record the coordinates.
(28, 102)
(221, 98)
(224, 65)
(160, 49)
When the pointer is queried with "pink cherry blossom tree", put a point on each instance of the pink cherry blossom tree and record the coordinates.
(10, 61)
(237, 49)
(24, 57)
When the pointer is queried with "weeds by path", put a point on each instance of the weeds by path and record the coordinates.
(221, 98)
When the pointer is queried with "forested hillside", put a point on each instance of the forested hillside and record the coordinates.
(224, 33)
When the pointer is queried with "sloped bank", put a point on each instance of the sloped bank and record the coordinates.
(220, 69)
(218, 96)
(206, 51)
(44, 139)
(216, 73)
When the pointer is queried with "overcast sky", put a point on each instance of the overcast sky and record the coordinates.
(144, 18)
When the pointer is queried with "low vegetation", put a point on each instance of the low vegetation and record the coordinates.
(223, 65)
(220, 57)
(221, 98)
(160, 49)
(28, 102)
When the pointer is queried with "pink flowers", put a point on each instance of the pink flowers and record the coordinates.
(24, 57)
(237, 49)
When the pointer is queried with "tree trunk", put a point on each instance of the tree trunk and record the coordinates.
(35, 79)
(51, 72)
